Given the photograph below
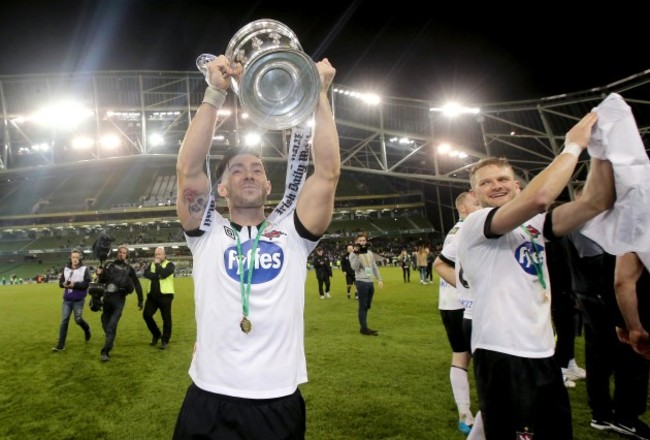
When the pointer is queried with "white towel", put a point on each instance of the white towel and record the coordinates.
(625, 227)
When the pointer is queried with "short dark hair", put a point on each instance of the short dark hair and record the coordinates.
(229, 154)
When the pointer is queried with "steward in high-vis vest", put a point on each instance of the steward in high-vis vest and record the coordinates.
(160, 273)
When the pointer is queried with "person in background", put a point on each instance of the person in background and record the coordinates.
(323, 272)
(564, 311)
(74, 281)
(249, 276)
(365, 268)
(421, 259)
(607, 360)
(430, 259)
(120, 280)
(161, 294)
(349, 272)
(405, 263)
(451, 312)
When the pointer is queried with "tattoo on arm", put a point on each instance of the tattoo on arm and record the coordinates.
(196, 202)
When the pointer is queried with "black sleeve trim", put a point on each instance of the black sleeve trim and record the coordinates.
(548, 228)
(452, 263)
(302, 231)
(487, 227)
(194, 232)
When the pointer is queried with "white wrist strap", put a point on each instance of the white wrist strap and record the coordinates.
(215, 97)
(572, 148)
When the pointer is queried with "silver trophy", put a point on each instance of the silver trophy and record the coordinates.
(280, 85)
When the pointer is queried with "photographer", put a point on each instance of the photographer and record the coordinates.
(365, 268)
(74, 281)
(120, 280)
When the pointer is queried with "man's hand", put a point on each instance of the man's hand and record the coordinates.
(220, 71)
(638, 339)
(140, 305)
(581, 132)
(326, 73)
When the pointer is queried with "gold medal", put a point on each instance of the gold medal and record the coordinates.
(245, 325)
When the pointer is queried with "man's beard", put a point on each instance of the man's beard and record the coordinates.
(247, 202)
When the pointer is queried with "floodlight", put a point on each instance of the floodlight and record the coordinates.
(156, 139)
(82, 143)
(110, 141)
(252, 139)
(453, 109)
(444, 148)
(65, 115)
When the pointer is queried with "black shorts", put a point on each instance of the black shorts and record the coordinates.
(214, 416)
(467, 331)
(519, 395)
(349, 279)
(453, 322)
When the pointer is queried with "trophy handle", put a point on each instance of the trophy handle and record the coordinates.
(202, 60)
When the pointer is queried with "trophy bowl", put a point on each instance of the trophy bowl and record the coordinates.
(279, 86)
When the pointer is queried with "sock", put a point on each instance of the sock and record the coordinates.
(460, 388)
(477, 429)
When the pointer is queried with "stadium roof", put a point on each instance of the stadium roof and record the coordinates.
(397, 138)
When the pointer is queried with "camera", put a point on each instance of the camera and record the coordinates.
(96, 291)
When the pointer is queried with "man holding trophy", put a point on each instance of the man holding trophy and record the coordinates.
(249, 272)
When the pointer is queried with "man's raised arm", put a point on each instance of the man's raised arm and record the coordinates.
(316, 201)
(193, 189)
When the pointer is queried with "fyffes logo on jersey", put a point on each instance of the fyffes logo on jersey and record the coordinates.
(266, 263)
(528, 256)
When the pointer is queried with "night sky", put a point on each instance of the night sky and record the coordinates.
(475, 54)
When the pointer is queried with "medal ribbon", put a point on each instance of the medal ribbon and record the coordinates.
(246, 286)
(537, 265)
(297, 166)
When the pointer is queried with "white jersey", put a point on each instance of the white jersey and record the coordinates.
(447, 294)
(463, 292)
(511, 311)
(269, 361)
